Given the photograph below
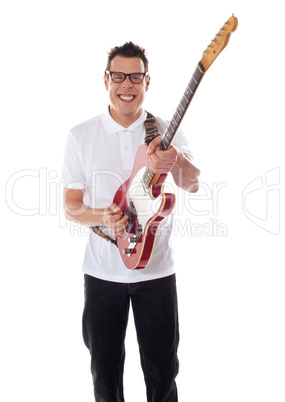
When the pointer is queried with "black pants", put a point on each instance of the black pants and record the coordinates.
(105, 318)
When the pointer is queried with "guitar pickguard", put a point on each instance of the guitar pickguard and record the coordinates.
(145, 206)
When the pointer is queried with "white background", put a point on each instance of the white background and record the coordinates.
(230, 262)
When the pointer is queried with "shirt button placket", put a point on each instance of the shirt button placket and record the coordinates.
(126, 148)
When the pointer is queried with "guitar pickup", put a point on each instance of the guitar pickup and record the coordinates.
(134, 239)
(129, 251)
(131, 212)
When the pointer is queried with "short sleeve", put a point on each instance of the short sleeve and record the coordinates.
(72, 173)
(181, 142)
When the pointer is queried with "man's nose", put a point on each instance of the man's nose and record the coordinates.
(127, 83)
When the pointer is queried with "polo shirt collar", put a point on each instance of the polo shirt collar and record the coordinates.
(112, 127)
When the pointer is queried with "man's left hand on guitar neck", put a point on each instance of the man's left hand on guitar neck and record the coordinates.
(173, 160)
(161, 161)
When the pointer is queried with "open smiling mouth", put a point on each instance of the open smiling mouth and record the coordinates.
(127, 98)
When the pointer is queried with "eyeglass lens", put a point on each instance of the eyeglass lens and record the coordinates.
(135, 78)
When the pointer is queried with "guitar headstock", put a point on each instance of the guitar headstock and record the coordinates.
(219, 42)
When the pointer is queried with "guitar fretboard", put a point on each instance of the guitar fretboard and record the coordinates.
(174, 123)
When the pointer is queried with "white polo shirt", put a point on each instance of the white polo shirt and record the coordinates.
(99, 157)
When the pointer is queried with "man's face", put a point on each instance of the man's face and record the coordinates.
(126, 99)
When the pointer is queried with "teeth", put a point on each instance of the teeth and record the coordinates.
(127, 98)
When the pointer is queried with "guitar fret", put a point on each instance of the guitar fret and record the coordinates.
(164, 144)
(194, 79)
(200, 69)
(185, 104)
(178, 118)
(186, 98)
(167, 138)
(170, 129)
(174, 122)
(188, 86)
(147, 178)
(167, 134)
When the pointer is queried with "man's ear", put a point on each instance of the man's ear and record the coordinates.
(147, 82)
(106, 82)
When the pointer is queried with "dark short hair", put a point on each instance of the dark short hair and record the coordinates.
(129, 49)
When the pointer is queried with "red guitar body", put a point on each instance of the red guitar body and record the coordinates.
(146, 208)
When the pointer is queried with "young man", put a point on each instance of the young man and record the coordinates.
(99, 157)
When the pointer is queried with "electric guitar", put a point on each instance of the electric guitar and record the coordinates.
(141, 197)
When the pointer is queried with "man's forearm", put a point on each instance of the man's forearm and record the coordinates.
(78, 211)
(112, 217)
(185, 173)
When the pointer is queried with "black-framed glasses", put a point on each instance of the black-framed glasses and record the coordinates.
(118, 78)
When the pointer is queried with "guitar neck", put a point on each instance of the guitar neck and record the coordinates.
(184, 103)
(171, 129)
